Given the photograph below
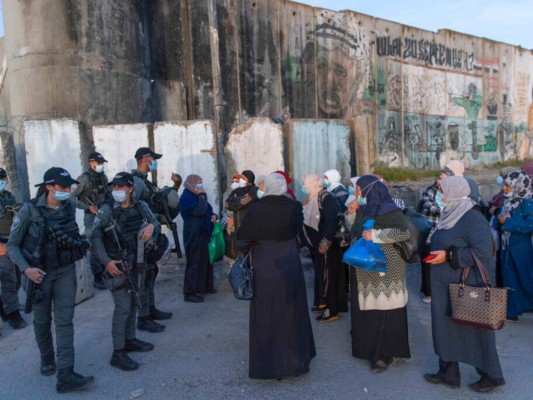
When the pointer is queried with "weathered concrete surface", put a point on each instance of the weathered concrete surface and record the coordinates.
(118, 144)
(256, 145)
(316, 146)
(9, 163)
(203, 354)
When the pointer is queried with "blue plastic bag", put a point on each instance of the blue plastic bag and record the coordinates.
(365, 254)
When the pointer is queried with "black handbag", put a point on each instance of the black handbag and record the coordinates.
(419, 227)
(231, 245)
(241, 277)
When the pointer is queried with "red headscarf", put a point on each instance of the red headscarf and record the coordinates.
(288, 180)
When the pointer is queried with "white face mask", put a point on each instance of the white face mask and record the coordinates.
(99, 168)
(234, 185)
(242, 183)
(119, 196)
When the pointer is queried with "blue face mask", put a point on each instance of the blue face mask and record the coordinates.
(361, 201)
(99, 168)
(153, 166)
(326, 183)
(499, 181)
(260, 193)
(61, 196)
(351, 190)
(304, 190)
(3, 184)
(438, 199)
(199, 186)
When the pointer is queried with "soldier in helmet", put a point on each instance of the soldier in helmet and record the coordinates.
(145, 190)
(118, 226)
(45, 233)
(9, 272)
(89, 195)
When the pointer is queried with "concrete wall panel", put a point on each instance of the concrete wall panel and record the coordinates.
(118, 144)
(256, 145)
(316, 146)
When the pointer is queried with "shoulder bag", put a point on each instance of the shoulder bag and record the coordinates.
(241, 277)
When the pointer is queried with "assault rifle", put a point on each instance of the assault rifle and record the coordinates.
(34, 293)
(127, 269)
(160, 201)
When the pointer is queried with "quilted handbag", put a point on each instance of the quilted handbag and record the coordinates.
(483, 307)
(241, 277)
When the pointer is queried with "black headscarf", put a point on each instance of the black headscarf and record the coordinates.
(275, 218)
(378, 199)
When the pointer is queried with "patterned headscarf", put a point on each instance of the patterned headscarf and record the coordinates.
(521, 189)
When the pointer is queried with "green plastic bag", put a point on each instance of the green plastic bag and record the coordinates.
(217, 245)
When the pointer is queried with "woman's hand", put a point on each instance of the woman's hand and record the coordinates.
(440, 257)
(147, 232)
(502, 218)
(3, 249)
(353, 207)
(367, 235)
(214, 218)
(113, 269)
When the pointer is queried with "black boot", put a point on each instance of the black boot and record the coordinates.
(138, 345)
(48, 365)
(68, 380)
(16, 321)
(3, 314)
(148, 325)
(121, 360)
(99, 282)
(159, 315)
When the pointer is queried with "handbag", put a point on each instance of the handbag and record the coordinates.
(419, 227)
(241, 276)
(483, 307)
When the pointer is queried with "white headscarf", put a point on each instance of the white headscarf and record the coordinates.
(456, 191)
(334, 178)
(275, 185)
(314, 185)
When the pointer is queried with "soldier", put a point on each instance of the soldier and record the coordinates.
(115, 233)
(9, 272)
(144, 190)
(48, 222)
(89, 196)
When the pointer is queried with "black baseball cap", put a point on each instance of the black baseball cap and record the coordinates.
(98, 157)
(57, 176)
(122, 179)
(146, 152)
(3, 173)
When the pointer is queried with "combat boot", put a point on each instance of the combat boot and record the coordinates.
(159, 315)
(138, 345)
(122, 360)
(48, 365)
(99, 282)
(16, 321)
(3, 314)
(148, 325)
(68, 380)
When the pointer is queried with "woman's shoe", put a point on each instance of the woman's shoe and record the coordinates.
(380, 366)
(427, 299)
(512, 319)
(436, 379)
(326, 317)
(319, 308)
(484, 385)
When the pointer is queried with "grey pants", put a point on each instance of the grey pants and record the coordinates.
(59, 289)
(148, 299)
(125, 313)
(10, 280)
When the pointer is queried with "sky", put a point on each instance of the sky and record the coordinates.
(508, 21)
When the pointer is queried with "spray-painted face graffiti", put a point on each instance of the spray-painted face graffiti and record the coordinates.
(453, 135)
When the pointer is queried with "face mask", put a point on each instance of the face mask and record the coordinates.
(99, 169)
(153, 166)
(304, 190)
(260, 193)
(351, 190)
(499, 181)
(326, 183)
(61, 196)
(119, 196)
(361, 201)
(3, 185)
(199, 186)
(242, 183)
(510, 194)
(234, 185)
(438, 199)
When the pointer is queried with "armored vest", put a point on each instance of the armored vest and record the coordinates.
(149, 189)
(128, 223)
(8, 206)
(96, 191)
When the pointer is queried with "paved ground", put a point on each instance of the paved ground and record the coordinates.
(203, 354)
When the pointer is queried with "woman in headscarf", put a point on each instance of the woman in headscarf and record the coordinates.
(516, 224)
(312, 185)
(281, 338)
(379, 313)
(332, 182)
(198, 220)
(289, 194)
(495, 208)
(461, 227)
(242, 197)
